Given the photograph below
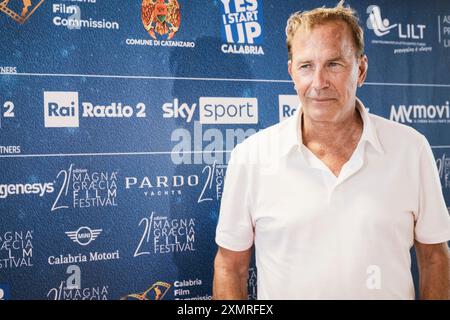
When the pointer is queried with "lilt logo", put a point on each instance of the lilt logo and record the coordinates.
(242, 26)
(61, 109)
(379, 26)
(408, 37)
(84, 235)
(288, 105)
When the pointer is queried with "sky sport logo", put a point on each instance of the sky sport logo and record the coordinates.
(215, 110)
(84, 235)
(20, 11)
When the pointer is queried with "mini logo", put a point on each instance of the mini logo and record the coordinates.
(84, 235)
(22, 10)
(287, 105)
(156, 292)
(161, 17)
(61, 109)
(379, 26)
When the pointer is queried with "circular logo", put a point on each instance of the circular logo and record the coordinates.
(161, 17)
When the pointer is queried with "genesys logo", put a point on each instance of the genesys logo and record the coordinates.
(20, 10)
(287, 106)
(408, 38)
(62, 109)
(14, 189)
(215, 110)
(421, 113)
(84, 235)
(242, 26)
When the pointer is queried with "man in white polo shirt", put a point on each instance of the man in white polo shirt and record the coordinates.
(334, 198)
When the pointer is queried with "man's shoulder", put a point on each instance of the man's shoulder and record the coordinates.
(393, 133)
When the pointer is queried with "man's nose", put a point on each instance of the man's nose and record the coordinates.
(320, 79)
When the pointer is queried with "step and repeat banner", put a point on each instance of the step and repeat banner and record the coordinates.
(117, 119)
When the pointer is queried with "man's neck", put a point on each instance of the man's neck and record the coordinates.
(332, 134)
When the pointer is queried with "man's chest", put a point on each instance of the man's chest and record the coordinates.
(304, 198)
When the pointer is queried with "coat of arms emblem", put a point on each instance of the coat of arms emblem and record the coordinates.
(161, 17)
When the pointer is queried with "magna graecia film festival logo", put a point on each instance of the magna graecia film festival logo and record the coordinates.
(20, 10)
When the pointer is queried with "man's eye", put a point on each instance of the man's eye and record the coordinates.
(334, 64)
(304, 66)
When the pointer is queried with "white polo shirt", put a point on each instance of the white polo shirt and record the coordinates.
(321, 237)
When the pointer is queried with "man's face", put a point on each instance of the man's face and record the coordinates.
(326, 72)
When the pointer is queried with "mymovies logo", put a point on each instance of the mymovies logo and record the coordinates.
(421, 113)
(62, 109)
(215, 110)
(26, 189)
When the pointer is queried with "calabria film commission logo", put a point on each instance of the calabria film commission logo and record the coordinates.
(161, 17)
(20, 10)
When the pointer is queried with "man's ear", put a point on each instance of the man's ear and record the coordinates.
(290, 68)
(362, 69)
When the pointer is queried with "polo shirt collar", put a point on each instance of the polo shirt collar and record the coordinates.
(293, 138)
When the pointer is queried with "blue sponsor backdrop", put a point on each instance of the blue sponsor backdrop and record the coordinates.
(112, 164)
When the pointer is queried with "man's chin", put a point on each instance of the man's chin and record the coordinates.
(320, 115)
